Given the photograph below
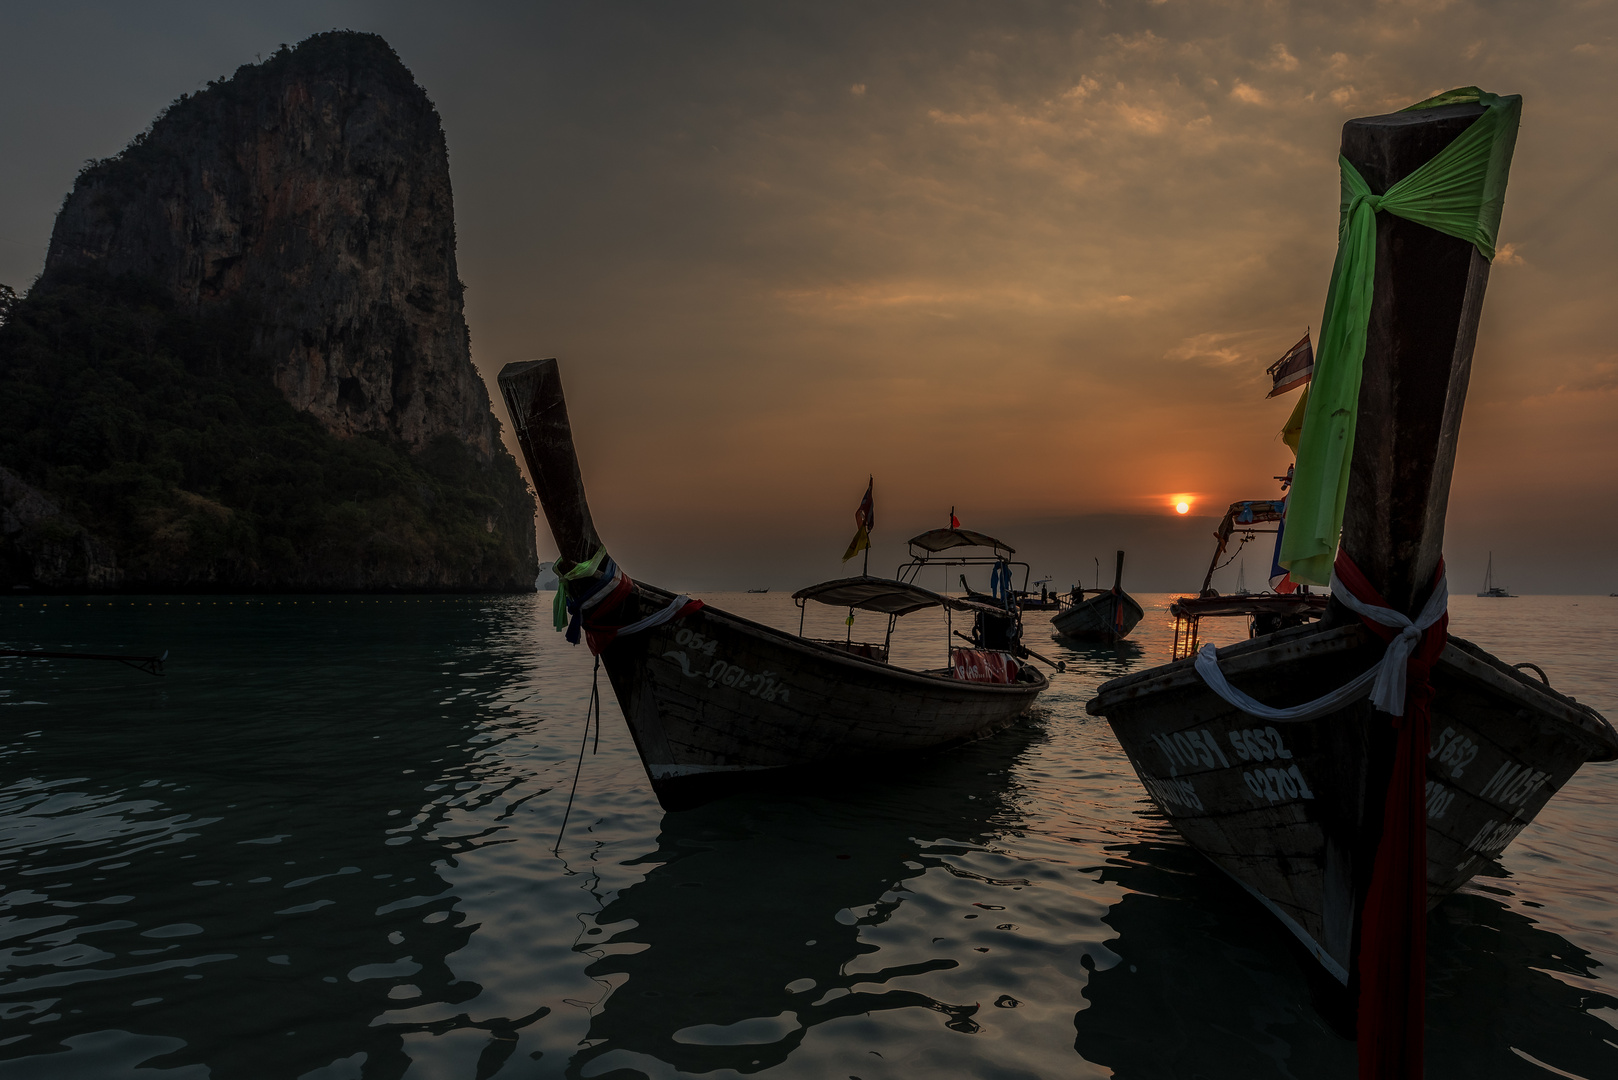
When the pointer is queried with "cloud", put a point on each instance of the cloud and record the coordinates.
(1081, 90)
(1251, 348)
(1281, 60)
(1250, 94)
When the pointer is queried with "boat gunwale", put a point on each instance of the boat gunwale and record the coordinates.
(1461, 656)
(823, 652)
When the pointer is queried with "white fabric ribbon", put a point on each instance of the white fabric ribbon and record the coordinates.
(1385, 680)
(657, 618)
(607, 588)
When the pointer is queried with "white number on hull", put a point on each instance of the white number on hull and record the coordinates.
(1191, 749)
(1512, 783)
(696, 642)
(1176, 792)
(1454, 750)
(1275, 785)
(1493, 836)
(762, 685)
(1199, 749)
(1438, 799)
(1258, 744)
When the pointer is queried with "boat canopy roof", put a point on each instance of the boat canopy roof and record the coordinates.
(944, 539)
(883, 595)
(1251, 512)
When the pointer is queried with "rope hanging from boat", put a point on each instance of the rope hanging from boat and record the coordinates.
(1459, 192)
(594, 708)
(1245, 538)
(583, 608)
(1385, 681)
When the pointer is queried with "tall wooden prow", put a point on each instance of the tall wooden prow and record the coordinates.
(533, 393)
(1418, 360)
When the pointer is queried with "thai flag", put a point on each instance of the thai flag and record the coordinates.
(1294, 369)
(865, 516)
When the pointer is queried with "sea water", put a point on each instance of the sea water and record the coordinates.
(325, 844)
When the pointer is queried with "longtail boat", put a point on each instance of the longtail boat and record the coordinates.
(715, 701)
(1107, 615)
(1350, 818)
(1266, 612)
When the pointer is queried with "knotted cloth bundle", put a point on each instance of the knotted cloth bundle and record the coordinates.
(1459, 192)
(1384, 680)
(584, 607)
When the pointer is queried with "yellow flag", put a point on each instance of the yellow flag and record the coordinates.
(1293, 431)
(861, 541)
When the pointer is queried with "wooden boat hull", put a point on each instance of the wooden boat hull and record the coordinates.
(1107, 617)
(1283, 807)
(714, 700)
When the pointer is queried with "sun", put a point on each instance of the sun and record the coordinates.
(1182, 507)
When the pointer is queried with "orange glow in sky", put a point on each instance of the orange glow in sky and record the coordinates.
(1030, 262)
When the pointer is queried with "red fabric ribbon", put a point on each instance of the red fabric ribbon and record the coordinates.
(1393, 925)
(598, 633)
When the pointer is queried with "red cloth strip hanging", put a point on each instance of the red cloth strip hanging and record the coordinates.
(1393, 925)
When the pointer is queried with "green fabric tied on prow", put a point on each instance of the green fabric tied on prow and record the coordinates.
(1459, 192)
(583, 569)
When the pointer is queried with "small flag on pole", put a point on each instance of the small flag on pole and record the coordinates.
(1294, 369)
(865, 519)
(1280, 580)
(954, 522)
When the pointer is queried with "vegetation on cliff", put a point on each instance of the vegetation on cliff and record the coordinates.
(162, 434)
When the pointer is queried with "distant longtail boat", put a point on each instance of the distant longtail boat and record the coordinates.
(1108, 615)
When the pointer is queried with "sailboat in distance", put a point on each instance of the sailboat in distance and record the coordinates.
(1489, 587)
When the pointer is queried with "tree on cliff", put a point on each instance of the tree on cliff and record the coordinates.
(246, 363)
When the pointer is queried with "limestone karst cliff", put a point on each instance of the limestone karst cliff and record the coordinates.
(316, 187)
(246, 362)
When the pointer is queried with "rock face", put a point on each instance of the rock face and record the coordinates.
(42, 543)
(314, 186)
(246, 365)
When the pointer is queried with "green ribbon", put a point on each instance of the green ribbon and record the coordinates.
(1459, 192)
(583, 569)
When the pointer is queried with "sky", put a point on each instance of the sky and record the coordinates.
(1026, 260)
